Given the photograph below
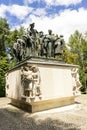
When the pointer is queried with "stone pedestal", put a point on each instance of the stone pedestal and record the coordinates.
(39, 84)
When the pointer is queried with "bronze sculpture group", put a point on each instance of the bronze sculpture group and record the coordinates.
(36, 43)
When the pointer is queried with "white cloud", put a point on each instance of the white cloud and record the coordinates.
(54, 2)
(26, 2)
(19, 11)
(16, 10)
(39, 12)
(64, 23)
(3, 9)
(62, 2)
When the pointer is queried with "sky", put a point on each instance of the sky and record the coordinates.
(62, 16)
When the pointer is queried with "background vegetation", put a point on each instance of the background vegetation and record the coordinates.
(75, 53)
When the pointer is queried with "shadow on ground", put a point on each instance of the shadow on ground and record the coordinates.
(12, 119)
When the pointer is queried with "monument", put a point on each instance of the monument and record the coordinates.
(39, 81)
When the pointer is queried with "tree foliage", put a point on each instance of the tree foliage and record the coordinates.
(78, 50)
(7, 38)
(4, 32)
(69, 57)
(3, 68)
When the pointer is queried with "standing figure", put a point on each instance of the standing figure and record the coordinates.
(19, 49)
(26, 78)
(30, 80)
(22, 49)
(28, 41)
(45, 46)
(33, 35)
(36, 82)
(59, 47)
(50, 44)
(41, 40)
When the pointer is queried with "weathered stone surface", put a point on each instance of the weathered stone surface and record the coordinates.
(56, 79)
(37, 79)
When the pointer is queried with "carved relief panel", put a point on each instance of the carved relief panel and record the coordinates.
(31, 83)
(75, 81)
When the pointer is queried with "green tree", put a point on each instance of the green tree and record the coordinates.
(7, 39)
(3, 68)
(78, 46)
(69, 57)
(4, 62)
(4, 31)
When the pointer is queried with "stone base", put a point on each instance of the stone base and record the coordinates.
(52, 84)
(43, 105)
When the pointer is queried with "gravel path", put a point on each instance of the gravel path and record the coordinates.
(12, 118)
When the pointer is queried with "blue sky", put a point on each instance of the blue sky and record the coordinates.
(62, 16)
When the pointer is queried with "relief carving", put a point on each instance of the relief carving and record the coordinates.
(31, 81)
(75, 81)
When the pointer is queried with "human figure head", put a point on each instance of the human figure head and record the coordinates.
(41, 33)
(50, 31)
(61, 36)
(32, 25)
